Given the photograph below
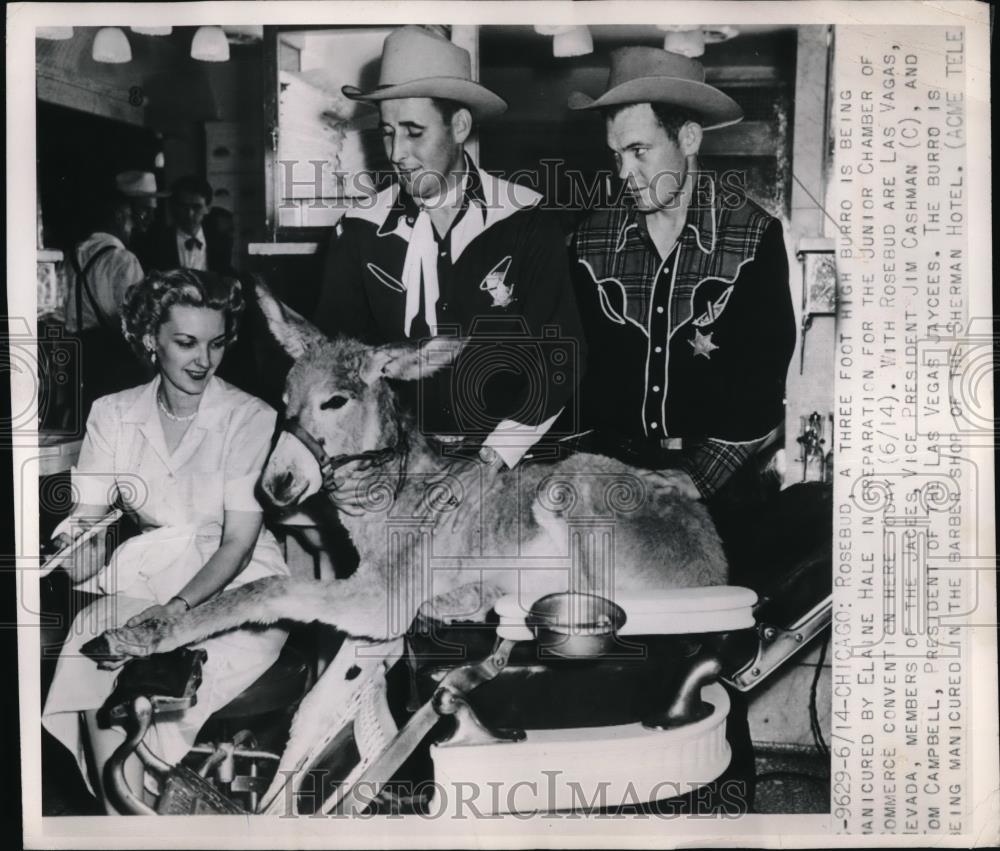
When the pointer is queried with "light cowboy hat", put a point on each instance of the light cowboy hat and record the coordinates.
(138, 184)
(417, 63)
(651, 75)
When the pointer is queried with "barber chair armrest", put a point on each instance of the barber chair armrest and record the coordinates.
(169, 680)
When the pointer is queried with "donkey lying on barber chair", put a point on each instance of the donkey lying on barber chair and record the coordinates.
(481, 533)
(488, 537)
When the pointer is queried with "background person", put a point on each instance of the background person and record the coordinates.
(190, 241)
(140, 188)
(104, 268)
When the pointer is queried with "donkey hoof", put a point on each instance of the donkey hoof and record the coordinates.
(99, 650)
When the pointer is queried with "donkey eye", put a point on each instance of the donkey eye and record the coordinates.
(334, 402)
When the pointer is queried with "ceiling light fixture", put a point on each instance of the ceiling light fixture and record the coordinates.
(111, 45)
(244, 34)
(54, 33)
(688, 40)
(152, 30)
(210, 45)
(568, 41)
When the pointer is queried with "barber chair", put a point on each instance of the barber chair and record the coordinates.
(615, 704)
(235, 746)
(567, 702)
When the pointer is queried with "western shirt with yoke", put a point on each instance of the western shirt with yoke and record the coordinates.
(502, 280)
(698, 342)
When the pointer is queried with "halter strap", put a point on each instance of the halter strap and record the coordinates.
(327, 465)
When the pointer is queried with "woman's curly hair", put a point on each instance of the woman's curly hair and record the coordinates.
(147, 303)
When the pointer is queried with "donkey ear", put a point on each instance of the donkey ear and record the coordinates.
(408, 362)
(293, 332)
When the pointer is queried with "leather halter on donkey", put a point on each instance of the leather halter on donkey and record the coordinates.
(328, 466)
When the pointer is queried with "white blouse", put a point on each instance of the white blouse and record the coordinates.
(178, 498)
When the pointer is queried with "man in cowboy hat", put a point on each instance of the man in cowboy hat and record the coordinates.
(449, 249)
(685, 279)
(140, 188)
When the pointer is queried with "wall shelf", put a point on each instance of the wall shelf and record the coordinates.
(273, 249)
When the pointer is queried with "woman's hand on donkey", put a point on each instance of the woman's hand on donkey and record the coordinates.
(141, 636)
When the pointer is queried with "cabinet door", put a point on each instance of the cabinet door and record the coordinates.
(324, 150)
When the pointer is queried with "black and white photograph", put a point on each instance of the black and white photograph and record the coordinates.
(528, 424)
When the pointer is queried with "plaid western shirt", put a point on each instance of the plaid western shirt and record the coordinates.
(695, 345)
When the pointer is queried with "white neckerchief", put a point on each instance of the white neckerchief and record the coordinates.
(421, 261)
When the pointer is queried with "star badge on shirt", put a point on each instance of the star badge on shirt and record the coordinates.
(702, 344)
(495, 284)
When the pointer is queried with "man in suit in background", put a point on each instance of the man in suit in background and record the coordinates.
(190, 242)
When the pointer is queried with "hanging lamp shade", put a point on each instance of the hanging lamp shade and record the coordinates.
(690, 40)
(111, 45)
(244, 34)
(54, 33)
(568, 40)
(690, 44)
(152, 30)
(210, 45)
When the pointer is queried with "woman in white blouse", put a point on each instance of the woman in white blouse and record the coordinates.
(183, 454)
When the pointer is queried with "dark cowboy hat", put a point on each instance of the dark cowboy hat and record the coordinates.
(651, 75)
(417, 63)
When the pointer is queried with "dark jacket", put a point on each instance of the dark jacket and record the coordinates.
(159, 250)
(526, 349)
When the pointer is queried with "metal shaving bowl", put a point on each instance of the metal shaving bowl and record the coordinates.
(575, 625)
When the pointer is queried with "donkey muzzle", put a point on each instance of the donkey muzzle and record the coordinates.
(291, 473)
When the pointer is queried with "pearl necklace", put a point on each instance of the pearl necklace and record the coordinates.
(174, 417)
